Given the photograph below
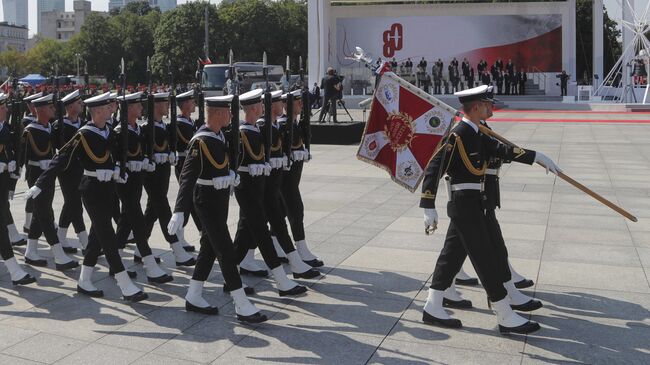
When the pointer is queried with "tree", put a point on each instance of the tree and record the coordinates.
(139, 8)
(135, 34)
(14, 62)
(179, 38)
(45, 56)
(99, 44)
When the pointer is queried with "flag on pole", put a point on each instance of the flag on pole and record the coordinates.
(404, 128)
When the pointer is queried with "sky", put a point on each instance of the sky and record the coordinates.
(613, 8)
(98, 5)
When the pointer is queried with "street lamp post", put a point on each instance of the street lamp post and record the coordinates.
(77, 57)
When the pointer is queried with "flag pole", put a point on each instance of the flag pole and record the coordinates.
(568, 179)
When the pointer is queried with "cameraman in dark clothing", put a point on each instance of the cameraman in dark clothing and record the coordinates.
(332, 85)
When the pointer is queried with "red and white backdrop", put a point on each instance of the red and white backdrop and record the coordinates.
(529, 40)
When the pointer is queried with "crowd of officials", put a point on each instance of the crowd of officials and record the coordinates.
(506, 78)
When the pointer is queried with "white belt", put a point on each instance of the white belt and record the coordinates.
(181, 154)
(90, 173)
(243, 169)
(204, 182)
(467, 186)
(492, 172)
(33, 163)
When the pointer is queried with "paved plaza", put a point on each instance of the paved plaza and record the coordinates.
(591, 268)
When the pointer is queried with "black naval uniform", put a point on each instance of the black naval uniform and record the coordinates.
(184, 131)
(290, 190)
(273, 208)
(69, 179)
(252, 229)
(93, 148)
(207, 158)
(131, 216)
(39, 146)
(29, 204)
(6, 155)
(156, 184)
(466, 155)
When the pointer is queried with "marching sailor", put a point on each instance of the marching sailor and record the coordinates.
(8, 166)
(29, 118)
(39, 151)
(205, 183)
(129, 193)
(290, 190)
(185, 129)
(93, 146)
(464, 159)
(156, 182)
(70, 177)
(252, 229)
(272, 198)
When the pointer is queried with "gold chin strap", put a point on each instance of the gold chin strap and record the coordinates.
(466, 161)
(91, 154)
(35, 148)
(249, 149)
(206, 152)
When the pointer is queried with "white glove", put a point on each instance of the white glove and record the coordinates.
(104, 175)
(32, 192)
(15, 175)
(175, 223)
(285, 161)
(148, 165)
(307, 157)
(160, 157)
(276, 162)
(220, 182)
(134, 166)
(11, 166)
(3, 166)
(547, 163)
(121, 180)
(298, 155)
(44, 164)
(116, 173)
(10, 195)
(235, 178)
(173, 158)
(254, 169)
(267, 169)
(430, 219)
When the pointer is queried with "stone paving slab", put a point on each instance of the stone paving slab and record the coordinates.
(590, 265)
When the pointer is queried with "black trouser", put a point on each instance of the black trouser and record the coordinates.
(522, 88)
(329, 105)
(212, 206)
(177, 171)
(294, 208)
(43, 216)
(252, 229)
(157, 184)
(6, 252)
(96, 196)
(563, 90)
(469, 235)
(131, 216)
(72, 210)
(275, 211)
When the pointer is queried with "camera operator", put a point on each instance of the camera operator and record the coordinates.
(331, 83)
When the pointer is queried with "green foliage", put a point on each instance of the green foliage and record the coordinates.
(15, 62)
(179, 38)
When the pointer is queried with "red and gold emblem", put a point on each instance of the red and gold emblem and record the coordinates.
(399, 130)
